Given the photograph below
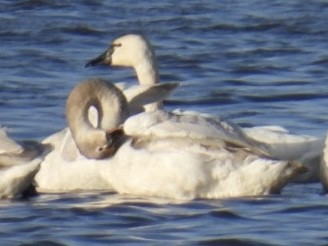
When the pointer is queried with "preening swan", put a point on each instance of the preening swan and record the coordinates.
(97, 143)
(181, 157)
(135, 51)
(19, 162)
(65, 169)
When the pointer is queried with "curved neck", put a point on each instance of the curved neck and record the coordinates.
(111, 106)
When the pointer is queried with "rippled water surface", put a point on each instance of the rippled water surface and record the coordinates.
(253, 62)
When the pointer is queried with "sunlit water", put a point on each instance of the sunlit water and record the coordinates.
(253, 62)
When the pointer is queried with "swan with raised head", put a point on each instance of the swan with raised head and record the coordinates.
(61, 170)
(19, 162)
(180, 157)
(133, 50)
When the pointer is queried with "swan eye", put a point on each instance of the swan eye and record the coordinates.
(112, 48)
(103, 148)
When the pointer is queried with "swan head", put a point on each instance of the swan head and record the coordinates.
(131, 50)
(100, 141)
(99, 144)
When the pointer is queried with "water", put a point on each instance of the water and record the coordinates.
(253, 62)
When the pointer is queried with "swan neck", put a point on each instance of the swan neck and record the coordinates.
(146, 68)
(111, 107)
(147, 74)
(78, 118)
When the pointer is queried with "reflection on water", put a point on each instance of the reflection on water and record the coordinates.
(83, 218)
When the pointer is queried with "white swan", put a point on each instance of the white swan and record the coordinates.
(180, 157)
(324, 167)
(135, 51)
(18, 164)
(61, 170)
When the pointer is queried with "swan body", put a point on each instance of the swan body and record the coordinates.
(184, 170)
(133, 50)
(166, 163)
(19, 162)
(61, 170)
(64, 169)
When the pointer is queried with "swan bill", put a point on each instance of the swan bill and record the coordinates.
(115, 138)
(103, 59)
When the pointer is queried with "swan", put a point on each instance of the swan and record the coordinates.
(134, 50)
(178, 157)
(19, 162)
(61, 170)
(324, 167)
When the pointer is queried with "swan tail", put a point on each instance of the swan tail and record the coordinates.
(291, 171)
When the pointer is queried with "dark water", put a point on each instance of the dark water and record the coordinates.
(254, 62)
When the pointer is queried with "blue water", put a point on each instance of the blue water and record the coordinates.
(253, 62)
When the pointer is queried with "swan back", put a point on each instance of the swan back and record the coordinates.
(112, 109)
(189, 125)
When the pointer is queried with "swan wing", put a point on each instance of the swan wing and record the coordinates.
(284, 145)
(15, 153)
(16, 179)
(140, 95)
(162, 124)
(8, 145)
